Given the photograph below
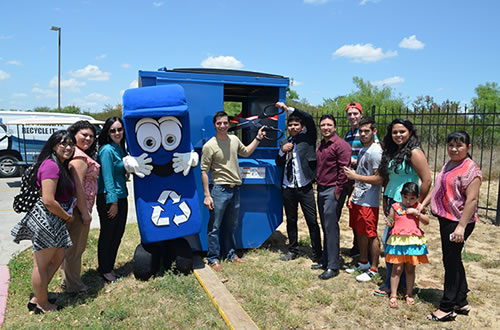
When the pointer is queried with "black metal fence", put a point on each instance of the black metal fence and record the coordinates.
(433, 126)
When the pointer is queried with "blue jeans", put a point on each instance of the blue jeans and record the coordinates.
(226, 212)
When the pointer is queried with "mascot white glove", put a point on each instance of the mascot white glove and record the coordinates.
(182, 162)
(138, 165)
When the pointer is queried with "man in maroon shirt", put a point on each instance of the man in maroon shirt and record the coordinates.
(332, 156)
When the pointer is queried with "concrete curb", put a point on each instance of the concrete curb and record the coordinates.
(4, 290)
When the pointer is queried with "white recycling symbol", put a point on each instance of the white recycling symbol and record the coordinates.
(178, 218)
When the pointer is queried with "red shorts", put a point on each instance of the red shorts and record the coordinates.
(363, 219)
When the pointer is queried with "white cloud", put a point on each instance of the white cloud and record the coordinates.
(14, 62)
(411, 42)
(4, 37)
(125, 65)
(44, 92)
(296, 83)
(388, 81)
(4, 75)
(222, 62)
(101, 57)
(364, 2)
(158, 3)
(71, 84)
(96, 97)
(363, 53)
(440, 89)
(91, 72)
(315, 2)
(19, 95)
(133, 84)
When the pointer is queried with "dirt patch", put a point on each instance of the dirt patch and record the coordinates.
(482, 264)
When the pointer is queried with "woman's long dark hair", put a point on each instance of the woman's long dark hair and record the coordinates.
(395, 154)
(65, 182)
(104, 137)
(84, 124)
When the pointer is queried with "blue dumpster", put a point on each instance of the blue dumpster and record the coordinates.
(206, 91)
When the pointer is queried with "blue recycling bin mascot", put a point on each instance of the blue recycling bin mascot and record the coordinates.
(157, 131)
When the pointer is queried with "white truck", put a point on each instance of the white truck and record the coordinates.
(23, 134)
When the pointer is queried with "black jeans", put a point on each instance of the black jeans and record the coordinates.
(455, 283)
(304, 196)
(111, 232)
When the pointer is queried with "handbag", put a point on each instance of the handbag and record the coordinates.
(29, 193)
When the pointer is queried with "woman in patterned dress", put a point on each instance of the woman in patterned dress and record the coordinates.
(84, 169)
(45, 223)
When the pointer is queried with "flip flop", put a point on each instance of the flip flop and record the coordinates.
(381, 293)
(445, 318)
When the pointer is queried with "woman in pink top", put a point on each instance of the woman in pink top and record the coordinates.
(84, 170)
(454, 202)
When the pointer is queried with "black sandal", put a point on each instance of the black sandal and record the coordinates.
(31, 306)
(447, 317)
(464, 310)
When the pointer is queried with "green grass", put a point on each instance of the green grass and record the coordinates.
(471, 257)
(169, 301)
(275, 294)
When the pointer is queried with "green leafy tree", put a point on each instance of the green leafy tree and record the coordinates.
(488, 100)
(487, 96)
(70, 109)
(368, 95)
(232, 108)
(42, 109)
(109, 111)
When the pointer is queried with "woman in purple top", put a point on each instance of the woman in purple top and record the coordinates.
(45, 223)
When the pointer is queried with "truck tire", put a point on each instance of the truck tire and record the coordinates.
(146, 263)
(7, 167)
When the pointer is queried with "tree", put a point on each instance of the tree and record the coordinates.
(109, 111)
(368, 95)
(488, 96)
(69, 109)
(42, 109)
(66, 109)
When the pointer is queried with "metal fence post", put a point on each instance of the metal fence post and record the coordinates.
(497, 220)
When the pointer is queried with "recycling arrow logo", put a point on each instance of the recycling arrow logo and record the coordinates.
(156, 217)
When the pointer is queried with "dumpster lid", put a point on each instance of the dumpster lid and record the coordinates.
(223, 72)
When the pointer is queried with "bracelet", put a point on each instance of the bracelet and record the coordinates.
(258, 139)
(67, 219)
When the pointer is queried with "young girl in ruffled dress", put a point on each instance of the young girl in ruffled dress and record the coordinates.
(406, 246)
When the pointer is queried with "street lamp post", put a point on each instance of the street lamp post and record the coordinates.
(55, 28)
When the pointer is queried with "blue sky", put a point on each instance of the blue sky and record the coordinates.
(442, 48)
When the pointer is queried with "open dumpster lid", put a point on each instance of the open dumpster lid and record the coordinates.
(223, 72)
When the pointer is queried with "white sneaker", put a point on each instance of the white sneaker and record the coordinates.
(366, 276)
(360, 268)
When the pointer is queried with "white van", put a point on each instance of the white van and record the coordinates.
(23, 134)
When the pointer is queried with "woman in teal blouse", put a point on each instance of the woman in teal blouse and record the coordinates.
(112, 204)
